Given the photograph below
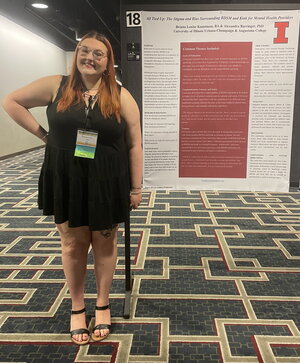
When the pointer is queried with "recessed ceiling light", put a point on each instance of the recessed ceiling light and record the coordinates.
(77, 36)
(39, 5)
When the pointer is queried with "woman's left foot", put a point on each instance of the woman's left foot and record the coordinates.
(102, 330)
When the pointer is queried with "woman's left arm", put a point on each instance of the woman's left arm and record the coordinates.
(130, 112)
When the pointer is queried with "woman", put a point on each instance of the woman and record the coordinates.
(92, 169)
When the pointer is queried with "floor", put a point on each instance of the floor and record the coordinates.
(215, 278)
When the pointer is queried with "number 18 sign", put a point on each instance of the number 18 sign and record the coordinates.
(133, 18)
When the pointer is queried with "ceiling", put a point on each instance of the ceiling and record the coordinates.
(64, 19)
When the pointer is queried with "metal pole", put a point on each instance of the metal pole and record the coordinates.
(128, 277)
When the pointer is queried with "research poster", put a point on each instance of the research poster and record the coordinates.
(218, 99)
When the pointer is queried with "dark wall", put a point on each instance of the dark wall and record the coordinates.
(132, 70)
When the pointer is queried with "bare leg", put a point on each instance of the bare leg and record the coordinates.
(104, 245)
(75, 243)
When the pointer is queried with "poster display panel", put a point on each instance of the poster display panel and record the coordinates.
(218, 98)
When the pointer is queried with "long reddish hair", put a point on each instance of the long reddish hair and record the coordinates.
(109, 95)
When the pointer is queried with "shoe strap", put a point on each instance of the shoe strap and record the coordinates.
(78, 311)
(102, 327)
(79, 331)
(102, 307)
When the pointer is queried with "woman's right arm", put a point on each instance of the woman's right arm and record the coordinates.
(38, 93)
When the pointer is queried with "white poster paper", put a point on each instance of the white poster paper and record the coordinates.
(218, 98)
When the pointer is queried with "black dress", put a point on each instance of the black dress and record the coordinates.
(84, 192)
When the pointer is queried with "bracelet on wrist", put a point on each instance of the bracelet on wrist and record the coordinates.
(46, 134)
(135, 193)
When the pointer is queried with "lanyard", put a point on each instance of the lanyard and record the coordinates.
(88, 108)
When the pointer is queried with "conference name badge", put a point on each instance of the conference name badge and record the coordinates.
(86, 143)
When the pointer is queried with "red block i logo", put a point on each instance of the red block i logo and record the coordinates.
(281, 27)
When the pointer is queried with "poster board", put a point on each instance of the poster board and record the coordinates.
(218, 98)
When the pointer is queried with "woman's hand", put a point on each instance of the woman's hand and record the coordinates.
(135, 200)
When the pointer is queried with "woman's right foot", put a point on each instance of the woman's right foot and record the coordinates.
(78, 329)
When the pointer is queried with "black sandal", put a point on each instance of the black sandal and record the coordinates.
(97, 338)
(79, 331)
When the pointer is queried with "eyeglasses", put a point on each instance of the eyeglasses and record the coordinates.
(84, 51)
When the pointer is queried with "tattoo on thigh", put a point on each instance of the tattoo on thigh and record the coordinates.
(107, 232)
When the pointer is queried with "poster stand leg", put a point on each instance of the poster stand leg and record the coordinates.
(128, 276)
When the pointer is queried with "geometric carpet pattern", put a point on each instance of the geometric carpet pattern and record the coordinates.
(215, 278)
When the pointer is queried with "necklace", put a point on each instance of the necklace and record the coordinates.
(87, 95)
(85, 89)
(90, 93)
(89, 101)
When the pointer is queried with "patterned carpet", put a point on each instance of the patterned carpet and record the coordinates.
(216, 278)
